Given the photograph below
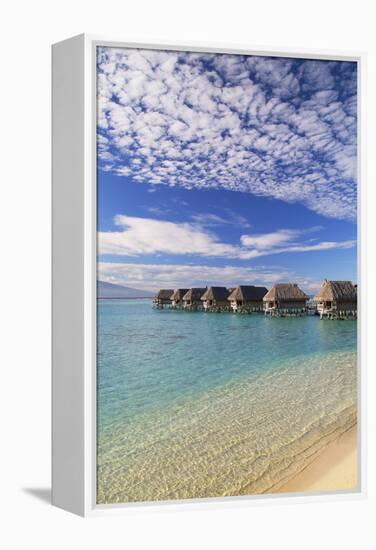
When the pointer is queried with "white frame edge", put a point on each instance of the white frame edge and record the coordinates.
(68, 425)
(74, 279)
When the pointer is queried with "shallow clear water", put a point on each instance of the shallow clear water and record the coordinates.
(194, 404)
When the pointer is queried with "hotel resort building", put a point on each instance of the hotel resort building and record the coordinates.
(337, 300)
(247, 298)
(163, 298)
(285, 299)
(334, 300)
(177, 297)
(192, 298)
(215, 298)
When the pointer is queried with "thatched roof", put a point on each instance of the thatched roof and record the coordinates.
(194, 294)
(179, 293)
(285, 292)
(164, 294)
(249, 293)
(336, 291)
(216, 293)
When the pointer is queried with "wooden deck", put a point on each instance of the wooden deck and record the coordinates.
(283, 312)
(338, 314)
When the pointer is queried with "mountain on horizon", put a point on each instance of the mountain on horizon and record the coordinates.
(110, 290)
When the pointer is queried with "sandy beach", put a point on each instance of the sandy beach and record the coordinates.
(333, 469)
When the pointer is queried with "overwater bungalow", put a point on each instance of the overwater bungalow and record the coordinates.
(163, 298)
(192, 298)
(285, 299)
(177, 297)
(245, 299)
(337, 300)
(215, 298)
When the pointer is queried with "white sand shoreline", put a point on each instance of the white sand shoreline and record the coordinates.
(333, 469)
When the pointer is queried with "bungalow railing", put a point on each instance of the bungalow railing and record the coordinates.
(247, 309)
(335, 312)
(278, 311)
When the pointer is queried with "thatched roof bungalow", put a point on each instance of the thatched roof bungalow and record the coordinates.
(215, 298)
(177, 296)
(337, 300)
(247, 298)
(163, 297)
(192, 298)
(285, 299)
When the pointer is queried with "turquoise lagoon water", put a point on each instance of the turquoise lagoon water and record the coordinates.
(194, 404)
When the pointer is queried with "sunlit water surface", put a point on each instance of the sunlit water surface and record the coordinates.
(202, 404)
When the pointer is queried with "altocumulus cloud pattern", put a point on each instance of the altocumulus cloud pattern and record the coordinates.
(275, 127)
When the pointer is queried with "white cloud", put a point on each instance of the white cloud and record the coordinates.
(280, 128)
(269, 240)
(154, 276)
(286, 240)
(326, 245)
(208, 219)
(142, 236)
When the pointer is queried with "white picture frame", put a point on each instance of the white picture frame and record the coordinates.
(74, 276)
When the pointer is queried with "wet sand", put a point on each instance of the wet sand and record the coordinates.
(333, 469)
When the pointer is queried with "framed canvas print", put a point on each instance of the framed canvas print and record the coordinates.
(207, 281)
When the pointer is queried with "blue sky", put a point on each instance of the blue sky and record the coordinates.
(222, 169)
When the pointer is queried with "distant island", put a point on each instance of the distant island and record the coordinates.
(110, 290)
